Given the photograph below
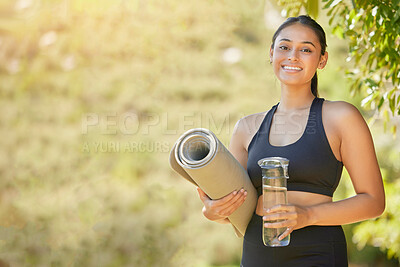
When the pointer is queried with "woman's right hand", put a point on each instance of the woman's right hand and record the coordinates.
(220, 209)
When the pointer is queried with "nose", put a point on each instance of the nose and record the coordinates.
(293, 56)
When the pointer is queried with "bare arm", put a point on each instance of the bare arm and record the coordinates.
(358, 156)
(236, 146)
(218, 210)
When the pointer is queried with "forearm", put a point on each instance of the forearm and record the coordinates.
(354, 209)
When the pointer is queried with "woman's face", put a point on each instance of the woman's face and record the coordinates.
(296, 55)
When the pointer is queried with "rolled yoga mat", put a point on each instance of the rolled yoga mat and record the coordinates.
(203, 160)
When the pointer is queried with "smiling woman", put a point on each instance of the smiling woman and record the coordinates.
(309, 49)
(319, 138)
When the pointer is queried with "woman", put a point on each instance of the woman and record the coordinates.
(319, 138)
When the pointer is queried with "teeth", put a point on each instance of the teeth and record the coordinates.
(291, 68)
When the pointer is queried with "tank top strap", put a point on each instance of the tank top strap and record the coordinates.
(319, 111)
(268, 120)
(314, 121)
(264, 126)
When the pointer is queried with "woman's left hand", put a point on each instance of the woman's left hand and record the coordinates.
(291, 216)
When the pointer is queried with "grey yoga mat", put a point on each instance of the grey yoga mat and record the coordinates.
(204, 161)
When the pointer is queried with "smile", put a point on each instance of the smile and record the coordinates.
(285, 67)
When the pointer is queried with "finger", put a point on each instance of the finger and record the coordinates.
(203, 196)
(286, 233)
(286, 223)
(280, 216)
(225, 208)
(234, 206)
(222, 202)
(237, 197)
(228, 207)
(281, 207)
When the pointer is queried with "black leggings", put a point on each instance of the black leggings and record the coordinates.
(309, 247)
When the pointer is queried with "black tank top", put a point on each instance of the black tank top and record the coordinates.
(312, 164)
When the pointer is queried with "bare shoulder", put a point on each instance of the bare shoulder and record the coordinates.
(343, 116)
(341, 111)
(340, 108)
(248, 125)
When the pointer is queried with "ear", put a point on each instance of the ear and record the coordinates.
(323, 60)
(271, 54)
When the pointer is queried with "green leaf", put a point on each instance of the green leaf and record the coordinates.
(394, 130)
(381, 101)
(391, 92)
(351, 33)
(313, 8)
(392, 105)
(386, 119)
(332, 10)
(367, 101)
(331, 20)
(351, 15)
(328, 4)
(334, 3)
(370, 83)
(369, 21)
(396, 17)
(338, 31)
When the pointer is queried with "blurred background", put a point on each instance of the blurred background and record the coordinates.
(93, 95)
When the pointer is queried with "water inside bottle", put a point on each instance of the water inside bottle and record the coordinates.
(274, 195)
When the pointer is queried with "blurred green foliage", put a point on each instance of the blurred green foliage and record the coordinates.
(373, 31)
(93, 95)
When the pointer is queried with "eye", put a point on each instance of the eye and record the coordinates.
(282, 47)
(306, 50)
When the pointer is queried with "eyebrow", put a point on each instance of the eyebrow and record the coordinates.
(304, 42)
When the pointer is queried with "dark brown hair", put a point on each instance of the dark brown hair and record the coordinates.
(312, 24)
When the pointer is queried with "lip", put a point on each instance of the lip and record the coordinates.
(291, 68)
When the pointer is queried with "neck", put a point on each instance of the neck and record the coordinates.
(295, 97)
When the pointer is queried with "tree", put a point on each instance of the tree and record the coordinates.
(373, 31)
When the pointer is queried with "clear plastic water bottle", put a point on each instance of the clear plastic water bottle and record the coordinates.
(274, 182)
